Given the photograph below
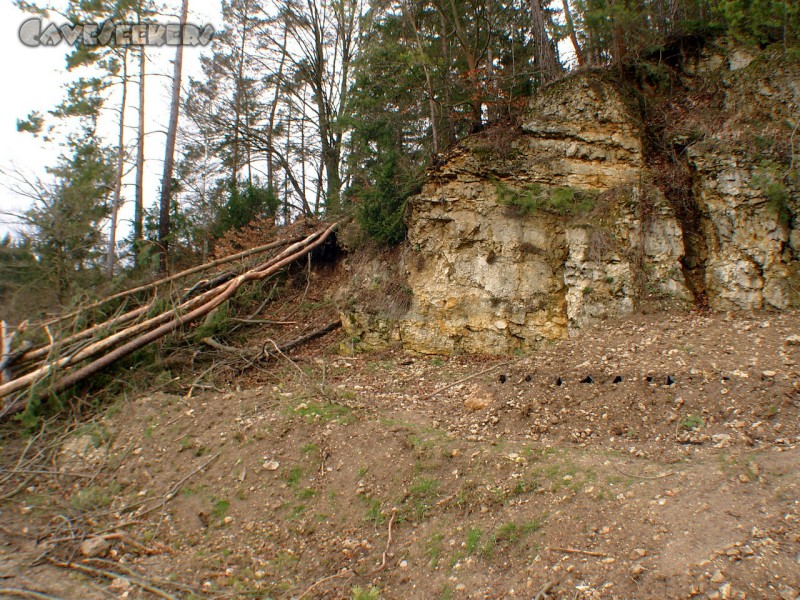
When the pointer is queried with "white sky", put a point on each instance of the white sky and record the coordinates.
(34, 79)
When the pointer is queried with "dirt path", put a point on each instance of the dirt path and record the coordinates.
(347, 477)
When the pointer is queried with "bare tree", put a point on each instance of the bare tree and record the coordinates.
(572, 34)
(115, 201)
(545, 55)
(138, 209)
(169, 158)
(326, 36)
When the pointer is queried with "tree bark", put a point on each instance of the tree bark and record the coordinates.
(115, 202)
(450, 130)
(273, 111)
(138, 209)
(428, 81)
(169, 157)
(572, 35)
(546, 61)
(471, 56)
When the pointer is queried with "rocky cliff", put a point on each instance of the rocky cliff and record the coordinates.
(530, 233)
(746, 181)
(523, 236)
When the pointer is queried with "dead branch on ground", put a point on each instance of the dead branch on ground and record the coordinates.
(284, 348)
(138, 581)
(577, 551)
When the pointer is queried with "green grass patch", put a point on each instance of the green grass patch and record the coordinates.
(374, 512)
(92, 498)
(524, 486)
(509, 534)
(691, 422)
(533, 198)
(370, 593)
(309, 449)
(433, 549)
(220, 509)
(306, 493)
(294, 476)
(324, 411)
(421, 497)
(473, 539)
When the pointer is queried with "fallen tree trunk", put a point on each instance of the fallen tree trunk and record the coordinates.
(140, 328)
(182, 274)
(12, 358)
(303, 340)
(141, 334)
(32, 354)
(43, 351)
(96, 347)
(265, 354)
(5, 351)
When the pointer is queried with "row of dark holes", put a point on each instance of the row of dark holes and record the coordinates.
(669, 380)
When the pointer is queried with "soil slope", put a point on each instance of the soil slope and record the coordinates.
(359, 476)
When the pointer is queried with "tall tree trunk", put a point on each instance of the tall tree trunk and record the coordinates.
(273, 111)
(111, 255)
(618, 50)
(247, 149)
(169, 157)
(240, 77)
(304, 176)
(286, 207)
(471, 57)
(329, 147)
(237, 106)
(428, 82)
(345, 30)
(450, 130)
(138, 208)
(546, 61)
(572, 35)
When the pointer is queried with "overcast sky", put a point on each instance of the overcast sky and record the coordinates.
(34, 79)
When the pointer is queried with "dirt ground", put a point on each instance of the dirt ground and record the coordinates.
(364, 476)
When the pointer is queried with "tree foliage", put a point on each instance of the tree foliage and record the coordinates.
(62, 237)
(315, 107)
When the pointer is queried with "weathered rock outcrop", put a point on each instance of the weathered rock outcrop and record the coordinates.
(525, 236)
(745, 191)
(530, 233)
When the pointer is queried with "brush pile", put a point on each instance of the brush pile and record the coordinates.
(82, 342)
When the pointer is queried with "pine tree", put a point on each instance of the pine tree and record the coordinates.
(65, 220)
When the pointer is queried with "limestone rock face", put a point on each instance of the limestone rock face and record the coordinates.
(530, 234)
(526, 236)
(745, 191)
